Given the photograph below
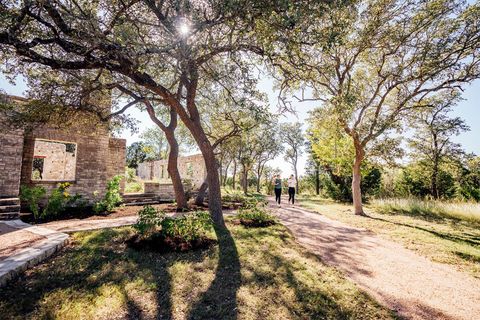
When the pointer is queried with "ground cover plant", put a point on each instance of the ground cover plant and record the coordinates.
(251, 274)
(451, 238)
(255, 216)
(158, 232)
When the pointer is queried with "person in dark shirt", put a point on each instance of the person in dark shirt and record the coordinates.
(278, 189)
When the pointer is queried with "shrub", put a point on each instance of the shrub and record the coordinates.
(58, 200)
(133, 187)
(32, 196)
(256, 217)
(112, 198)
(149, 219)
(243, 200)
(130, 174)
(187, 228)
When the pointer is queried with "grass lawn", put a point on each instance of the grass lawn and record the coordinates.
(250, 274)
(441, 238)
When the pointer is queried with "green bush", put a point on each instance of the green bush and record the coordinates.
(243, 200)
(130, 174)
(189, 227)
(58, 200)
(256, 217)
(32, 196)
(112, 198)
(133, 187)
(149, 219)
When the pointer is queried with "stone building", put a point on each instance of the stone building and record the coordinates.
(85, 155)
(191, 168)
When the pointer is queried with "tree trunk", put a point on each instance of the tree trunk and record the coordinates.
(259, 174)
(317, 181)
(356, 180)
(234, 173)
(172, 168)
(225, 176)
(296, 177)
(434, 179)
(245, 180)
(201, 193)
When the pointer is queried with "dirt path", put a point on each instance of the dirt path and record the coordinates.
(397, 277)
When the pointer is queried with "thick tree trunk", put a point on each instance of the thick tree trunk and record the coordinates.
(356, 181)
(202, 191)
(172, 168)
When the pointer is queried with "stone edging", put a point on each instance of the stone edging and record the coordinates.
(33, 255)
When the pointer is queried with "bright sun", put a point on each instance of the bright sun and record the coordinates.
(184, 29)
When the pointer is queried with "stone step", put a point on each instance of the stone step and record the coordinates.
(9, 215)
(9, 201)
(9, 208)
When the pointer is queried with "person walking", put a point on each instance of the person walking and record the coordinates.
(278, 189)
(292, 182)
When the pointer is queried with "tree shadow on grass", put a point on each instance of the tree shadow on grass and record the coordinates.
(220, 299)
(84, 271)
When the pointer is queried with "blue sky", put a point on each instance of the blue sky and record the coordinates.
(469, 110)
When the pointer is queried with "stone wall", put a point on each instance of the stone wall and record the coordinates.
(190, 167)
(98, 159)
(11, 148)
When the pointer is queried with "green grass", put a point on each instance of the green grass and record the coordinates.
(250, 274)
(451, 238)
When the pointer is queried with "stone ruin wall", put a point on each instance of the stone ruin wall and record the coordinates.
(190, 167)
(11, 149)
(98, 159)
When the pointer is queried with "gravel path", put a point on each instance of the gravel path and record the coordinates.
(398, 278)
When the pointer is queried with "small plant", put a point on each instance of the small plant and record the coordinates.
(149, 219)
(256, 217)
(58, 200)
(32, 196)
(130, 174)
(112, 198)
(177, 234)
(189, 227)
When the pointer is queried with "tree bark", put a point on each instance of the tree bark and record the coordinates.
(356, 180)
(317, 181)
(245, 180)
(202, 191)
(234, 173)
(434, 178)
(172, 168)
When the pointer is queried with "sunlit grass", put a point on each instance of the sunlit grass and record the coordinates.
(436, 209)
(252, 274)
(441, 238)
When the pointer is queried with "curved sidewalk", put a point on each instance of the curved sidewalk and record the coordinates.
(400, 279)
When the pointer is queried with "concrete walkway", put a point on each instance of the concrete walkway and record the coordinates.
(49, 241)
(398, 278)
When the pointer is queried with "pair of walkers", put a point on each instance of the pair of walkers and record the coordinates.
(291, 182)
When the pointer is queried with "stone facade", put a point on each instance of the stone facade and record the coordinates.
(98, 159)
(190, 167)
(84, 155)
(11, 149)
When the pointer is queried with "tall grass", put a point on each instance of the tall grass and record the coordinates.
(465, 211)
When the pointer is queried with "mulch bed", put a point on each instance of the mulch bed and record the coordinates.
(249, 223)
(161, 244)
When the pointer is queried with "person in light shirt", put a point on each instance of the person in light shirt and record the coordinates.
(292, 182)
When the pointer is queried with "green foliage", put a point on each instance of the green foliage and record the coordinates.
(245, 201)
(112, 198)
(149, 219)
(130, 174)
(32, 196)
(256, 217)
(133, 187)
(338, 187)
(58, 200)
(139, 152)
(189, 227)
